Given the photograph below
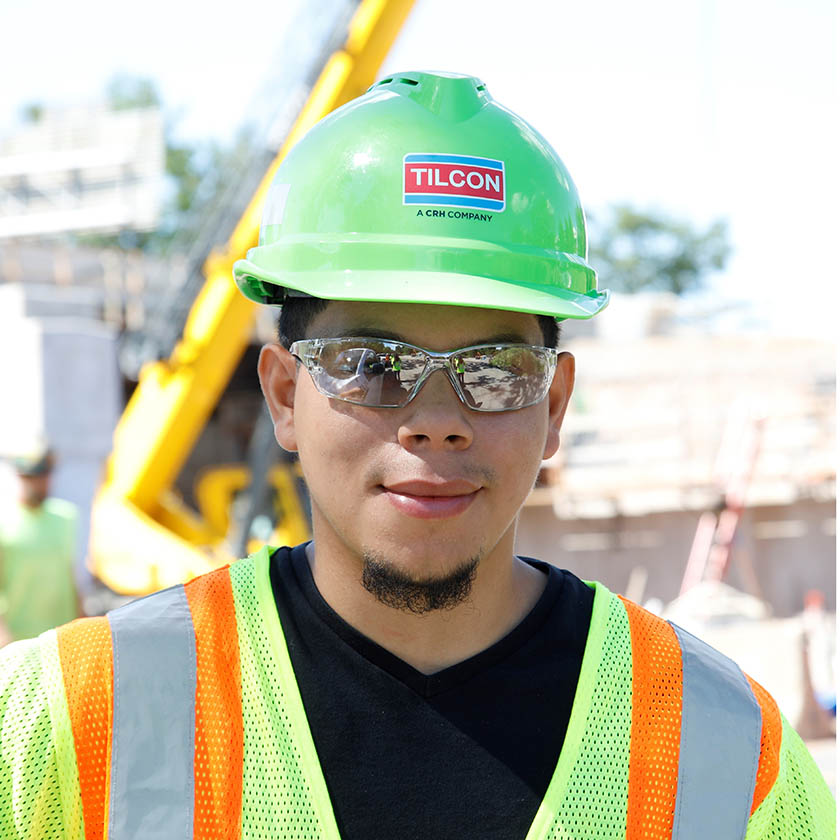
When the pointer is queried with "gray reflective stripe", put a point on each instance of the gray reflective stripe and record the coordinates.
(153, 737)
(719, 745)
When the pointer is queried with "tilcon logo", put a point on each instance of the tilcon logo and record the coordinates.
(454, 181)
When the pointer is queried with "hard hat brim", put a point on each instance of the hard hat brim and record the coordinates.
(442, 288)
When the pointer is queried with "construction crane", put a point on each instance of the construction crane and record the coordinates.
(143, 536)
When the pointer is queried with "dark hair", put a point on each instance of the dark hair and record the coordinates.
(297, 313)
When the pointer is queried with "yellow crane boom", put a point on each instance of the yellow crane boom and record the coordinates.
(142, 537)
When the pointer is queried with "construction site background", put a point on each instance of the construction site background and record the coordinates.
(697, 473)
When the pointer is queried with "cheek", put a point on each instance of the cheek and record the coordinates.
(518, 444)
(334, 445)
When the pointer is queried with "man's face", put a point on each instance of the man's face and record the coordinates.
(431, 485)
(34, 489)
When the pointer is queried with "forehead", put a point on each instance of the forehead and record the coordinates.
(432, 326)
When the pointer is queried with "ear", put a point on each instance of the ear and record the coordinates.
(277, 369)
(558, 400)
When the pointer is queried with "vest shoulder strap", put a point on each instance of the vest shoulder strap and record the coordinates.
(154, 700)
(719, 745)
(697, 732)
(153, 741)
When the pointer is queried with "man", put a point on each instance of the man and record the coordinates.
(404, 675)
(37, 551)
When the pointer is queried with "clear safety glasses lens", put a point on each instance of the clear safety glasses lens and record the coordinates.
(388, 374)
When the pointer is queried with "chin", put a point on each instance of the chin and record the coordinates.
(425, 559)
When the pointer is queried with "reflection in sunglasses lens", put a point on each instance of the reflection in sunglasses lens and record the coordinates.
(384, 373)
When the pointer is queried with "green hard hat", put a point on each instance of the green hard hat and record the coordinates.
(425, 190)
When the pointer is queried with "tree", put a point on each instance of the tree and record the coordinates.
(124, 92)
(194, 174)
(635, 249)
(32, 112)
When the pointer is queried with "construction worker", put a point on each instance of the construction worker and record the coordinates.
(37, 551)
(404, 675)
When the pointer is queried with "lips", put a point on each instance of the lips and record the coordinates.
(457, 487)
(431, 499)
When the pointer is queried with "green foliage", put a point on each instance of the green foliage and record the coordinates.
(123, 92)
(32, 112)
(195, 174)
(514, 360)
(634, 250)
(183, 167)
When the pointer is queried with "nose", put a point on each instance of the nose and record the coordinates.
(435, 420)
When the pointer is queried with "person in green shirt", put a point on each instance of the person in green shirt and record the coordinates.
(37, 549)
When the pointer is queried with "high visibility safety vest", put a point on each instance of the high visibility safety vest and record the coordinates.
(178, 717)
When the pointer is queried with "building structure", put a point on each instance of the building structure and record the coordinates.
(658, 426)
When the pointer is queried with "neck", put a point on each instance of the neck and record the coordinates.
(503, 592)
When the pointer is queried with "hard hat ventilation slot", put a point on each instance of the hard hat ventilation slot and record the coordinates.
(481, 87)
(409, 81)
(384, 82)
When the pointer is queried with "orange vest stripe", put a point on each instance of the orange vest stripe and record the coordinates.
(771, 744)
(654, 726)
(85, 652)
(219, 735)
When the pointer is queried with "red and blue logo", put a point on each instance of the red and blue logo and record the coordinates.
(454, 181)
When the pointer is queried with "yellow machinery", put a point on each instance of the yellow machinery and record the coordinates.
(143, 537)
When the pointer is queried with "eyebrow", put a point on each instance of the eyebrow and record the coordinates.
(387, 335)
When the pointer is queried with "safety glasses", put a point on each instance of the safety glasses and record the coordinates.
(388, 374)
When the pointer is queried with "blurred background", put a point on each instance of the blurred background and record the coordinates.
(698, 469)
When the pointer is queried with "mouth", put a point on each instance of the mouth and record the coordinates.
(431, 500)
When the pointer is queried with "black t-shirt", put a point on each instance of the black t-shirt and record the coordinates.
(467, 752)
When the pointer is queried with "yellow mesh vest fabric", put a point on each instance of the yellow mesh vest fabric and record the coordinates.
(62, 731)
(799, 805)
(39, 793)
(284, 794)
(587, 797)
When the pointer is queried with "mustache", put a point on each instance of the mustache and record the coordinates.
(422, 470)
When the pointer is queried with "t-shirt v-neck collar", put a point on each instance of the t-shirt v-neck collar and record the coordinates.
(276, 659)
(428, 685)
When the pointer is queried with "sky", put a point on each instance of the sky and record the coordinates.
(702, 108)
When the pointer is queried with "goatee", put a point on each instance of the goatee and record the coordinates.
(394, 588)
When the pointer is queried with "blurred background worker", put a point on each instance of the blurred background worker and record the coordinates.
(37, 547)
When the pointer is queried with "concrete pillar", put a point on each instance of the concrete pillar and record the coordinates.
(59, 379)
